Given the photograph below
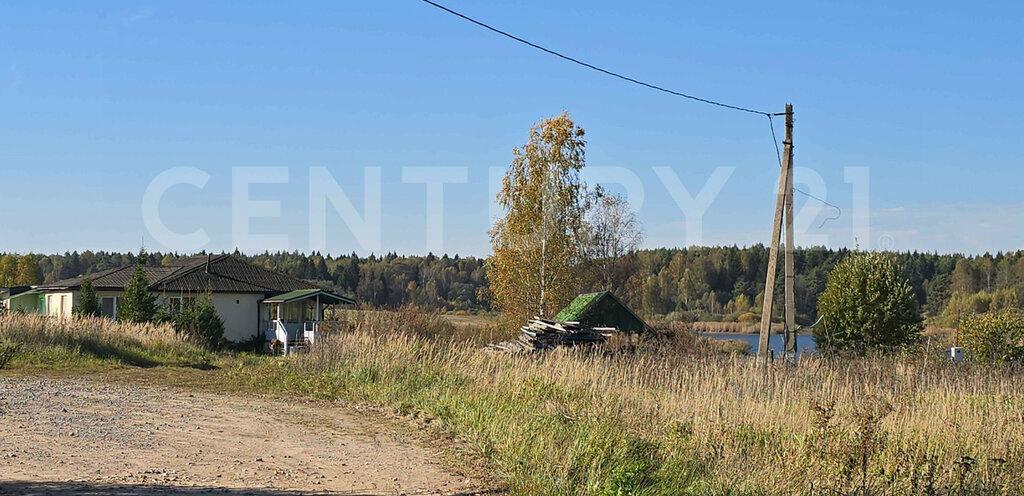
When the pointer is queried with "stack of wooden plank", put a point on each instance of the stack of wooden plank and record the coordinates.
(539, 334)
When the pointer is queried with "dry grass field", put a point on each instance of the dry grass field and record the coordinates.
(663, 417)
(48, 342)
(471, 319)
(732, 327)
(671, 422)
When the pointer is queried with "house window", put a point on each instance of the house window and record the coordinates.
(108, 307)
(291, 311)
(178, 303)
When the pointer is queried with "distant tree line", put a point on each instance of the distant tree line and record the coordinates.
(709, 283)
(729, 281)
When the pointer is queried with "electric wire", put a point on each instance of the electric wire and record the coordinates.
(591, 66)
(770, 116)
(775, 141)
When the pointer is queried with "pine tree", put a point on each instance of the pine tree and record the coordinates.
(137, 304)
(71, 267)
(199, 322)
(88, 304)
(320, 268)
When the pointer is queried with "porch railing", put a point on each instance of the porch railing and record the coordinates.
(291, 335)
(309, 329)
(281, 333)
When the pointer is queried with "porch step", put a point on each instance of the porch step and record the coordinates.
(296, 345)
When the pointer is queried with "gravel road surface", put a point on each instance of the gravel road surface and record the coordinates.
(74, 436)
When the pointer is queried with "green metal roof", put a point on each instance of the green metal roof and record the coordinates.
(19, 295)
(575, 308)
(601, 309)
(302, 294)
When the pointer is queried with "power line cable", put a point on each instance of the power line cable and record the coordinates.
(594, 67)
(770, 116)
(775, 141)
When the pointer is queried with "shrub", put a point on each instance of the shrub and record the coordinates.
(866, 304)
(88, 304)
(980, 302)
(994, 337)
(199, 322)
(7, 352)
(137, 304)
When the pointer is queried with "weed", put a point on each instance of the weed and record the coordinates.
(7, 352)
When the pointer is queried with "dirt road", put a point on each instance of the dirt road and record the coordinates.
(71, 436)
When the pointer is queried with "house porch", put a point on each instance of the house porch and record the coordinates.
(290, 321)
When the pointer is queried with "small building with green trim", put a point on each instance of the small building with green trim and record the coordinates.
(602, 309)
(22, 299)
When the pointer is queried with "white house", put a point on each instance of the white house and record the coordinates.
(251, 300)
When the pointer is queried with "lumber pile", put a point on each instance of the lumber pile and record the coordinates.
(540, 334)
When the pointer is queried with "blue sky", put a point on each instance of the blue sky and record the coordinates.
(97, 99)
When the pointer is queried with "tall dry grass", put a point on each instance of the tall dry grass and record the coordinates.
(597, 423)
(733, 327)
(416, 322)
(49, 340)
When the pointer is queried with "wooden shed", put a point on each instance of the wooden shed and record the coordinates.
(602, 309)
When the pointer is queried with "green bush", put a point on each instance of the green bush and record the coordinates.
(7, 352)
(88, 303)
(137, 304)
(198, 322)
(994, 337)
(867, 304)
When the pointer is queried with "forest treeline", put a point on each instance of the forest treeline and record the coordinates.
(705, 283)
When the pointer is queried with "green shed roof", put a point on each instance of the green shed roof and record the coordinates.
(301, 294)
(601, 309)
(24, 293)
(575, 308)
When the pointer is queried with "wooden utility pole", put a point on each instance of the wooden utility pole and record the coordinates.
(790, 337)
(784, 196)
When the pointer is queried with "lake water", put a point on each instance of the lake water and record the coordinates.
(804, 343)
